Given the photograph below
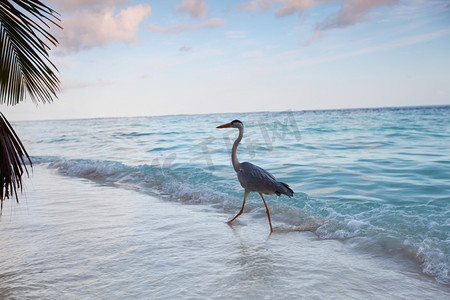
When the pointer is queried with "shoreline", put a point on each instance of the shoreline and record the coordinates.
(73, 237)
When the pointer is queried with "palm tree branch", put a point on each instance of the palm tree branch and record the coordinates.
(24, 60)
(25, 69)
(12, 164)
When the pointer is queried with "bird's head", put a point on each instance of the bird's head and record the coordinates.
(232, 124)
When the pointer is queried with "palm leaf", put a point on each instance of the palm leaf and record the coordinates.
(25, 67)
(12, 163)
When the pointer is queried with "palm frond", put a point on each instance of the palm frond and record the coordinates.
(12, 163)
(25, 67)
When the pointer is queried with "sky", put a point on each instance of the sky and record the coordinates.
(121, 58)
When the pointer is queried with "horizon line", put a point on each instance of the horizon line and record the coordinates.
(242, 112)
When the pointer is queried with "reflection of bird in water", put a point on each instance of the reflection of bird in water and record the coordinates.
(254, 178)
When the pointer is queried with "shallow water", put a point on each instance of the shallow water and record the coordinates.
(376, 181)
(75, 239)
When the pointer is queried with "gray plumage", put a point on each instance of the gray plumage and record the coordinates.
(257, 179)
(253, 178)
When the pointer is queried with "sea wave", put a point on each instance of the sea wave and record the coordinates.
(377, 229)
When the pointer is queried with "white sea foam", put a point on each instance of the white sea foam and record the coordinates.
(84, 240)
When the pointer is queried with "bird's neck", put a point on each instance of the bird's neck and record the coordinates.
(234, 158)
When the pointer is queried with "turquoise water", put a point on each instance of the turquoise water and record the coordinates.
(376, 179)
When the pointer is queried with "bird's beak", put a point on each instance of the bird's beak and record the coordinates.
(224, 125)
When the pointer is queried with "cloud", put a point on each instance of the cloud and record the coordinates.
(180, 28)
(185, 49)
(318, 34)
(352, 12)
(286, 7)
(196, 8)
(72, 5)
(292, 7)
(389, 45)
(146, 76)
(256, 5)
(89, 29)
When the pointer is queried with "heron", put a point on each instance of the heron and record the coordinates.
(253, 178)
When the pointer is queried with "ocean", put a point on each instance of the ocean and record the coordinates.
(137, 207)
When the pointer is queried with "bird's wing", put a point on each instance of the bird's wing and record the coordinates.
(256, 179)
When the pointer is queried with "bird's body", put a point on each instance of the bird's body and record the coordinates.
(256, 179)
(253, 178)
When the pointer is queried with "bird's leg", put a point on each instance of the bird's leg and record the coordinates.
(268, 211)
(242, 209)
